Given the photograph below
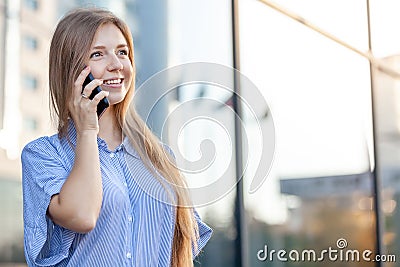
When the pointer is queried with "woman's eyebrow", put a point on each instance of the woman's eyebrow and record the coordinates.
(99, 47)
(103, 47)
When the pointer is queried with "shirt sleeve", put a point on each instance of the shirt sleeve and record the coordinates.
(205, 233)
(43, 175)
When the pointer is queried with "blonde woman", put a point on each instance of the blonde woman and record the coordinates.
(83, 205)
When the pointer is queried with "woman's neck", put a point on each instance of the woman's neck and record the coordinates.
(109, 129)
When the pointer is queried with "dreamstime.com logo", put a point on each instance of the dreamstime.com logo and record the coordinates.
(199, 121)
(339, 253)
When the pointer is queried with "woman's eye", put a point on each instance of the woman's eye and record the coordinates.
(95, 54)
(123, 52)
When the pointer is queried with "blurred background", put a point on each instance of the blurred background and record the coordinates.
(336, 119)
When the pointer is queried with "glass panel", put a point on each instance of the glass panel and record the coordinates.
(201, 32)
(386, 93)
(316, 203)
(386, 46)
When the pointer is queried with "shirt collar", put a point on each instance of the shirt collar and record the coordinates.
(100, 142)
(129, 148)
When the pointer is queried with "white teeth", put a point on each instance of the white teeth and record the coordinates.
(116, 81)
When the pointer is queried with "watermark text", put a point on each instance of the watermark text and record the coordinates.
(339, 253)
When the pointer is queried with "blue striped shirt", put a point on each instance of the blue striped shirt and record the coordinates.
(134, 228)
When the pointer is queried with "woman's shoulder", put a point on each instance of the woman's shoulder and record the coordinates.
(45, 144)
(43, 140)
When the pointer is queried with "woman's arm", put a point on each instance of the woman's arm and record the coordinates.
(78, 204)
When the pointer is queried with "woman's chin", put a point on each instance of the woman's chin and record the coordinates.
(115, 98)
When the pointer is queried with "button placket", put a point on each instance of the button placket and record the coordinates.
(114, 160)
(128, 244)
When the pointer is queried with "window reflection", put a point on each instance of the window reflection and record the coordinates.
(332, 208)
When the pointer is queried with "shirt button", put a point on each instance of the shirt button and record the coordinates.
(130, 219)
(129, 255)
(112, 155)
(125, 184)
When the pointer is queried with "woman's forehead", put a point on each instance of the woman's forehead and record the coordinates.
(109, 34)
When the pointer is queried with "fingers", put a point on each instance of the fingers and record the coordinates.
(80, 102)
(98, 97)
(79, 81)
(82, 109)
(91, 105)
(87, 91)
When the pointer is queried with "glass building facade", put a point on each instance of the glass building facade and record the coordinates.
(335, 117)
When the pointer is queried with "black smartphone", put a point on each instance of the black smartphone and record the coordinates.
(103, 104)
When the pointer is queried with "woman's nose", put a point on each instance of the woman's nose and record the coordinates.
(114, 63)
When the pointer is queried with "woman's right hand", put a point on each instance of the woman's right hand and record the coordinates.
(78, 204)
(82, 109)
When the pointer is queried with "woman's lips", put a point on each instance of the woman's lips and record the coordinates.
(113, 83)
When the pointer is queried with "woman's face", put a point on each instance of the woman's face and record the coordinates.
(109, 61)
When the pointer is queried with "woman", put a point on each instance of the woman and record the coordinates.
(84, 203)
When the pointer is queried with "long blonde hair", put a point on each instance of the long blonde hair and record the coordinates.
(69, 50)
